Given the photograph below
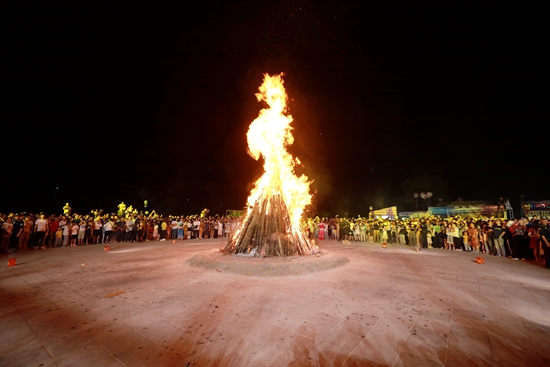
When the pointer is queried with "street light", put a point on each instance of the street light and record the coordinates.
(428, 196)
(423, 196)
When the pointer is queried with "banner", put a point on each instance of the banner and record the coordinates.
(390, 213)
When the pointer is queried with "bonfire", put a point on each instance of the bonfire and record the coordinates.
(271, 225)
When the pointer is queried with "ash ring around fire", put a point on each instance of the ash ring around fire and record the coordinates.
(267, 266)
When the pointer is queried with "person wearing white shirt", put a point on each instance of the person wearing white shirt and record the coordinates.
(40, 228)
(108, 228)
(196, 226)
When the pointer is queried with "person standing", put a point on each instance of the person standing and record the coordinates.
(18, 225)
(40, 229)
(201, 229)
(88, 232)
(163, 229)
(136, 229)
(534, 241)
(108, 231)
(25, 235)
(321, 235)
(437, 234)
(544, 234)
(120, 227)
(376, 232)
(517, 230)
(180, 228)
(498, 238)
(174, 229)
(81, 232)
(129, 235)
(74, 232)
(54, 224)
(196, 227)
(424, 233)
(58, 237)
(412, 235)
(155, 230)
(473, 237)
(490, 243)
(141, 229)
(220, 229)
(7, 229)
(96, 234)
(455, 233)
(344, 229)
(66, 233)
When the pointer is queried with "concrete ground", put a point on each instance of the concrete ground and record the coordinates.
(142, 304)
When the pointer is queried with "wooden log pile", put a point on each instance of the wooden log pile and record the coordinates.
(267, 231)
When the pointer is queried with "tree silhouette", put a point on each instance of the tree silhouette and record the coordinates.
(425, 183)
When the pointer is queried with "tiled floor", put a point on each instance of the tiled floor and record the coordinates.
(386, 307)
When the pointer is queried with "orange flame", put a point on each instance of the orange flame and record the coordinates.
(268, 136)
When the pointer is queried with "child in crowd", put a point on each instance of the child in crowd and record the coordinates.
(465, 241)
(66, 234)
(81, 231)
(74, 233)
(155, 232)
(429, 239)
(59, 237)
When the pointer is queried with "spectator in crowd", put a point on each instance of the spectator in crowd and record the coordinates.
(163, 230)
(74, 233)
(498, 238)
(7, 230)
(108, 231)
(58, 237)
(40, 230)
(66, 233)
(534, 240)
(26, 234)
(518, 235)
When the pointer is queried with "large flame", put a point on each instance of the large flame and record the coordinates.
(268, 136)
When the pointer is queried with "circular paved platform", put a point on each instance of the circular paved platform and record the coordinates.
(268, 266)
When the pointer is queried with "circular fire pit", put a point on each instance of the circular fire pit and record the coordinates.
(267, 266)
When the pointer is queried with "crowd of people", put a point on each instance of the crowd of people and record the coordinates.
(24, 231)
(518, 238)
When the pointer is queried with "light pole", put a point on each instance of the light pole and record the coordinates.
(416, 200)
(423, 196)
(428, 196)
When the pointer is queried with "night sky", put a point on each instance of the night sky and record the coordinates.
(150, 101)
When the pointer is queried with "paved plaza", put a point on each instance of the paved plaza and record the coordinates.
(143, 304)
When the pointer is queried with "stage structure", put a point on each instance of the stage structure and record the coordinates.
(271, 225)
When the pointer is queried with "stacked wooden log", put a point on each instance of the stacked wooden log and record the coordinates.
(267, 231)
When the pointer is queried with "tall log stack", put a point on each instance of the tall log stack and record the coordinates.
(266, 231)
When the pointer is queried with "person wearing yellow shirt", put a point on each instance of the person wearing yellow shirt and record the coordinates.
(163, 229)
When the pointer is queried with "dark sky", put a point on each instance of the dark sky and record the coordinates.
(151, 101)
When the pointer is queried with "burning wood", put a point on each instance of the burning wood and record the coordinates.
(271, 226)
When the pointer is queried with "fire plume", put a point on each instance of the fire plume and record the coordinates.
(268, 136)
(271, 226)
